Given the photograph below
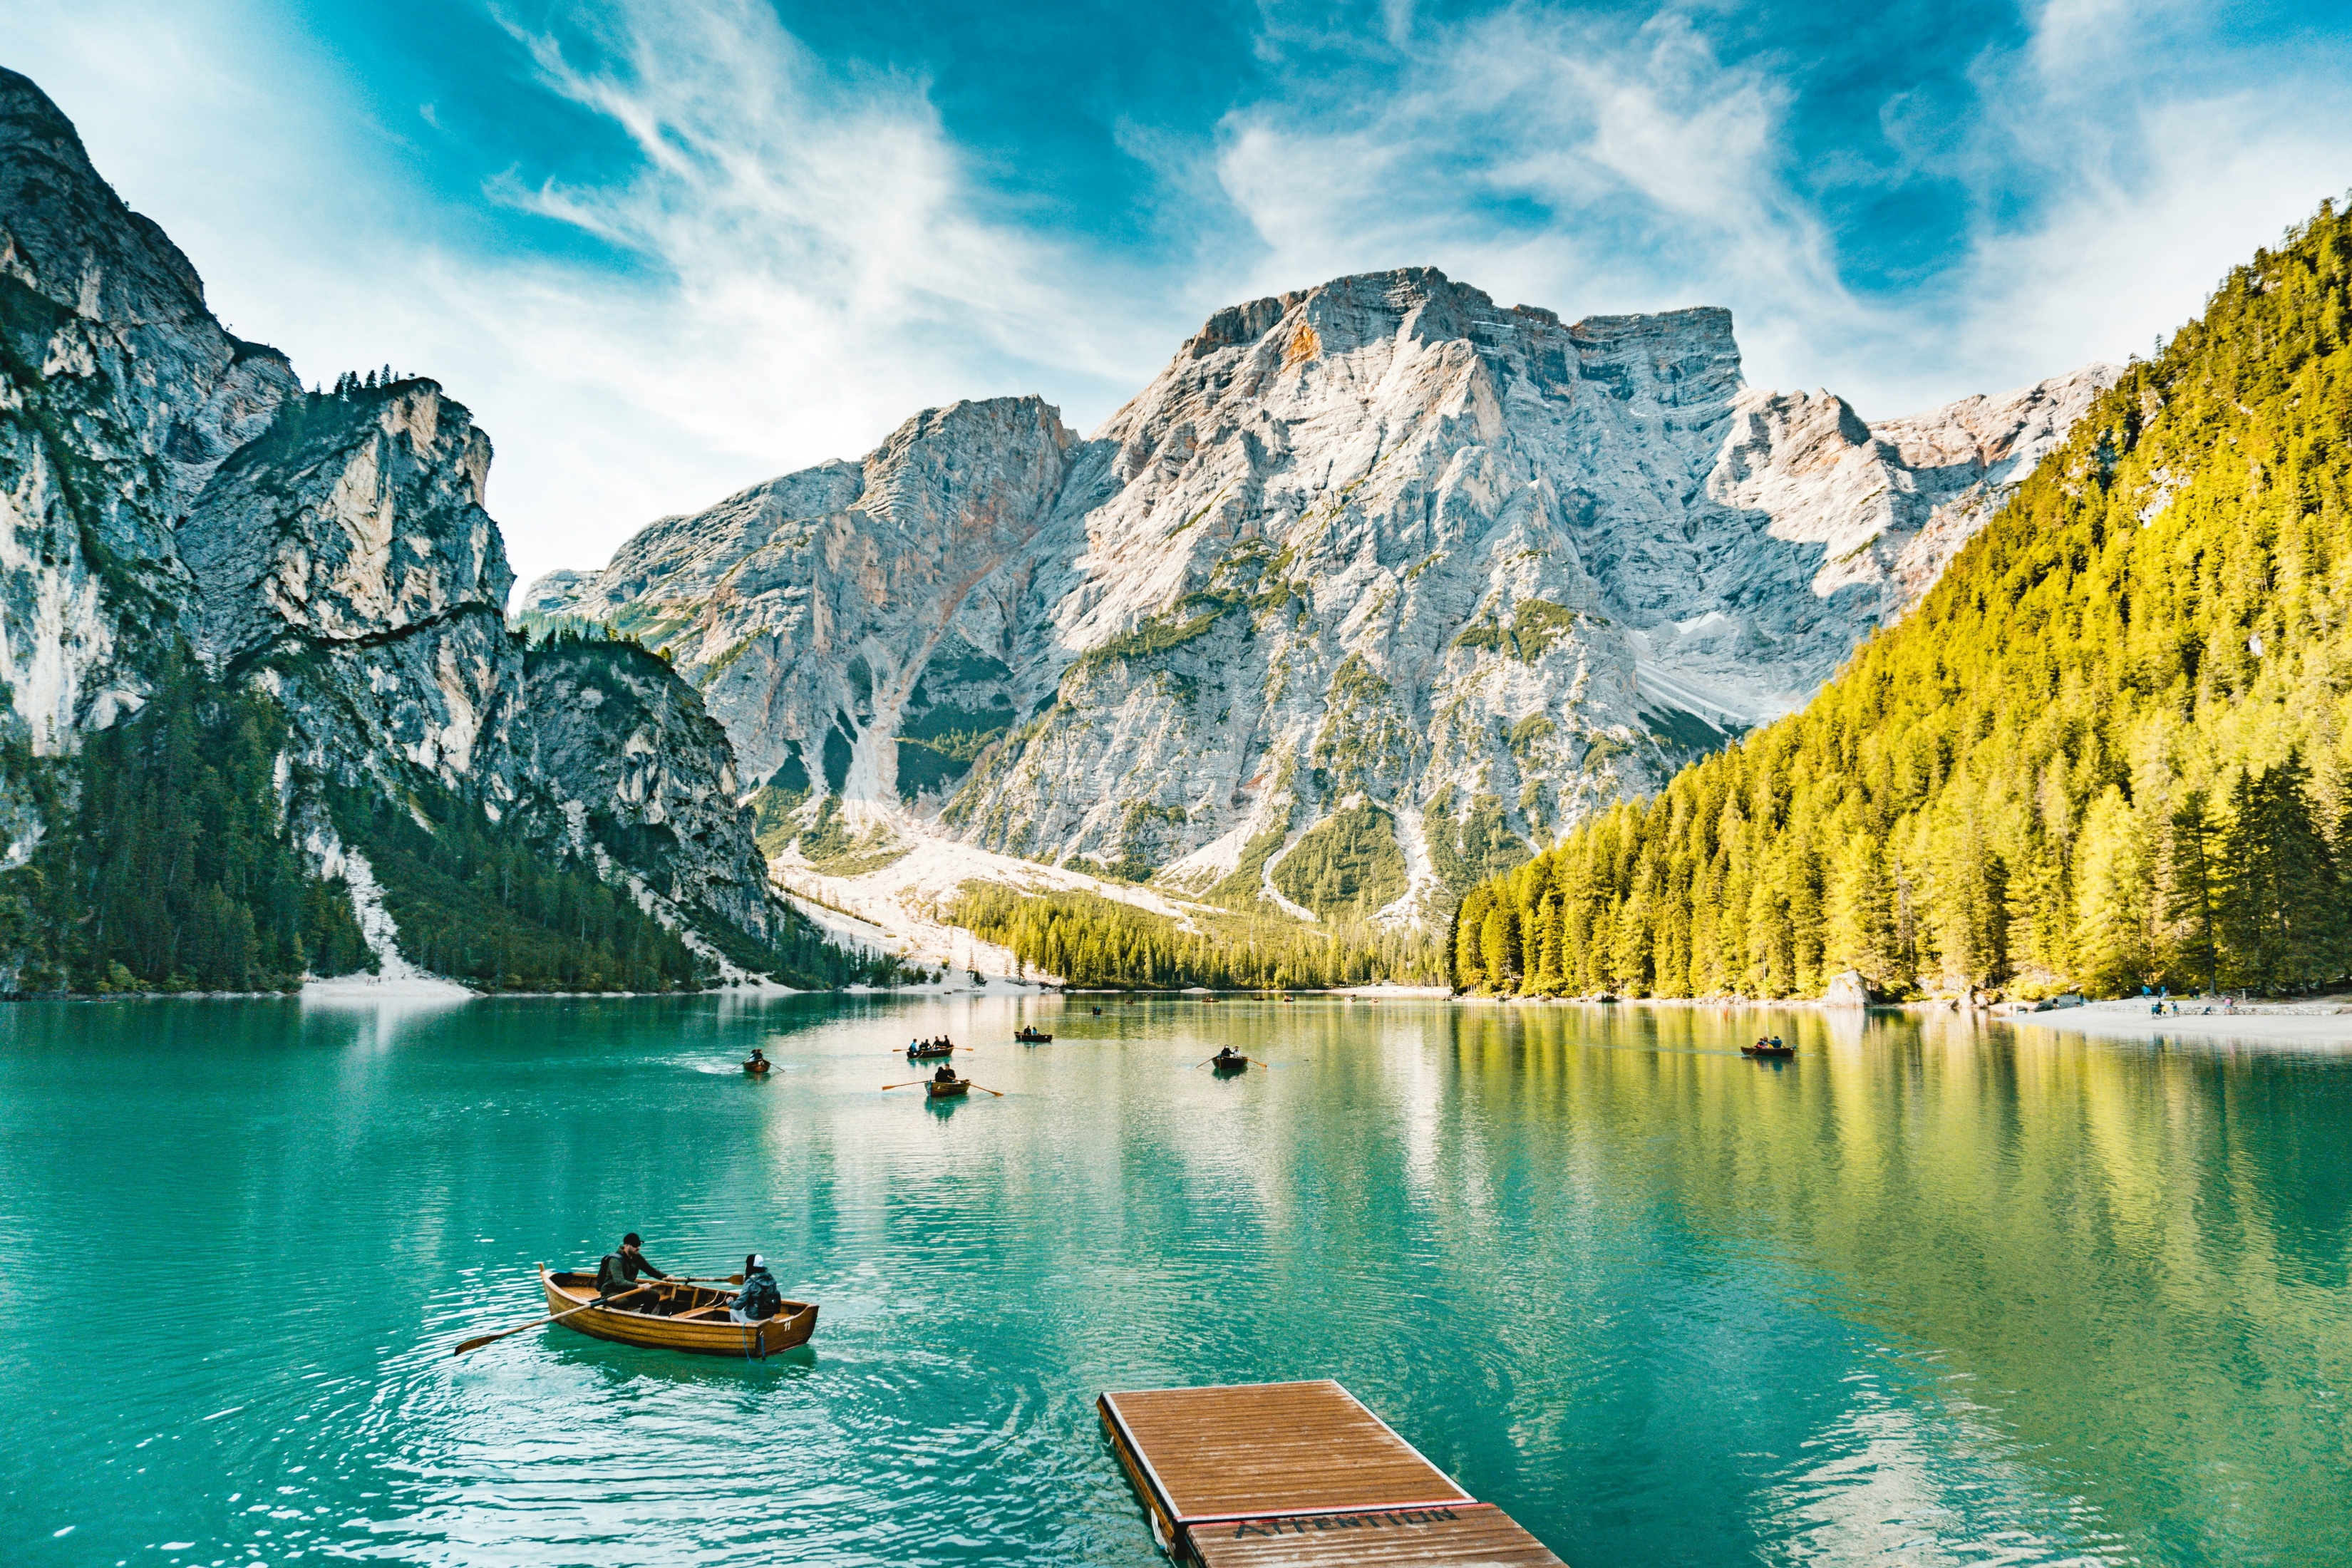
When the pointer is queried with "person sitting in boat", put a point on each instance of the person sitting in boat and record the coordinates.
(945, 1075)
(759, 1300)
(1227, 1055)
(759, 1062)
(619, 1270)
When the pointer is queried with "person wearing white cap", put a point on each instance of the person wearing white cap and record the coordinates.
(760, 1298)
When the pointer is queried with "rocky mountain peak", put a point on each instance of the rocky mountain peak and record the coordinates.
(164, 484)
(1376, 574)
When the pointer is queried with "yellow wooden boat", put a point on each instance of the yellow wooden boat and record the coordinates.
(678, 1317)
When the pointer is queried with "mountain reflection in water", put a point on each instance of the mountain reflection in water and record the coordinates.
(1931, 1292)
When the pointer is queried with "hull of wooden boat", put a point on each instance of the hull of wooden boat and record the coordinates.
(793, 1326)
(756, 1073)
(1762, 1051)
(929, 1056)
(948, 1091)
(1033, 1039)
(1229, 1067)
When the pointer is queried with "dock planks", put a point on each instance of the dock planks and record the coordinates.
(1269, 1475)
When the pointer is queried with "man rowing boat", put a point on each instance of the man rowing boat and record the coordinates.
(620, 1269)
(945, 1075)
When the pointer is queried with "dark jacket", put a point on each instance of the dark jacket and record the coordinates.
(620, 1269)
(760, 1297)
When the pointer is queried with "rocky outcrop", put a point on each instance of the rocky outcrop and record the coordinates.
(1377, 561)
(343, 559)
(1888, 505)
(1847, 989)
(827, 615)
(619, 753)
(119, 395)
(162, 483)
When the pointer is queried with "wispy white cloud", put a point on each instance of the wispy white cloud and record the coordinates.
(1565, 162)
(1599, 167)
(807, 261)
(783, 254)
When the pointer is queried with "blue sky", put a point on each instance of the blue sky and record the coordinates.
(666, 250)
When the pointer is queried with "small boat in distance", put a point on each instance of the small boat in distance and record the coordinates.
(950, 1090)
(759, 1065)
(691, 1318)
(1032, 1038)
(1771, 1048)
(1229, 1060)
(924, 1050)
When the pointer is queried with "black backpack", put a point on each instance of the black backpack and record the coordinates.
(766, 1300)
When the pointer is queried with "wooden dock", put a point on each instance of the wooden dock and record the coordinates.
(1272, 1474)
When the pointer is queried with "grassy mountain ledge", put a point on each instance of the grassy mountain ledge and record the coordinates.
(2111, 747)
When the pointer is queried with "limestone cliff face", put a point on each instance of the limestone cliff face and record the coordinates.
(343, 559)
(163, 482)
(618, 754)
(119, 396)
(811, 609)
(1380, 568)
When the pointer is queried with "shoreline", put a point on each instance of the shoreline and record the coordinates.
(2325, 1022)
(2282, 1023)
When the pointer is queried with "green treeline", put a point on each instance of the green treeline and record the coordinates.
(481, 902)
(2112, 747)
(1089, 940)
(168, 868)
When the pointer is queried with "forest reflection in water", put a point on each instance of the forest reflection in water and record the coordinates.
(1933, 1292)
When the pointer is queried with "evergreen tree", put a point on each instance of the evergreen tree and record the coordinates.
(2195, 887)
(2280, 915)
(2116, 896)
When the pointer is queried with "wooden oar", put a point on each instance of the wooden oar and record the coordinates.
(475, 1344)
(985, 1090)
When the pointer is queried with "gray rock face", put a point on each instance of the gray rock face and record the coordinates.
(161, 480)
(619, 752)
(809, 609)
(122, 396)
(1379, 543)
(344, 560)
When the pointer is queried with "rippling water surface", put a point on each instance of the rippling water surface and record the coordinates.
(1928, 1294)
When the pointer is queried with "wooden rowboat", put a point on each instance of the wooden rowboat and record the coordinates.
(1761, 1050)
(757, 1069)
(1228, 1064)
(1032, 1038)
(924, 1052)
(937, 1090)
(678, 1317)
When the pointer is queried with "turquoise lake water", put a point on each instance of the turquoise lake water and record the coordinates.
(1932, 1293)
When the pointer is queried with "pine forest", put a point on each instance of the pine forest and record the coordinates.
(2111, 748)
